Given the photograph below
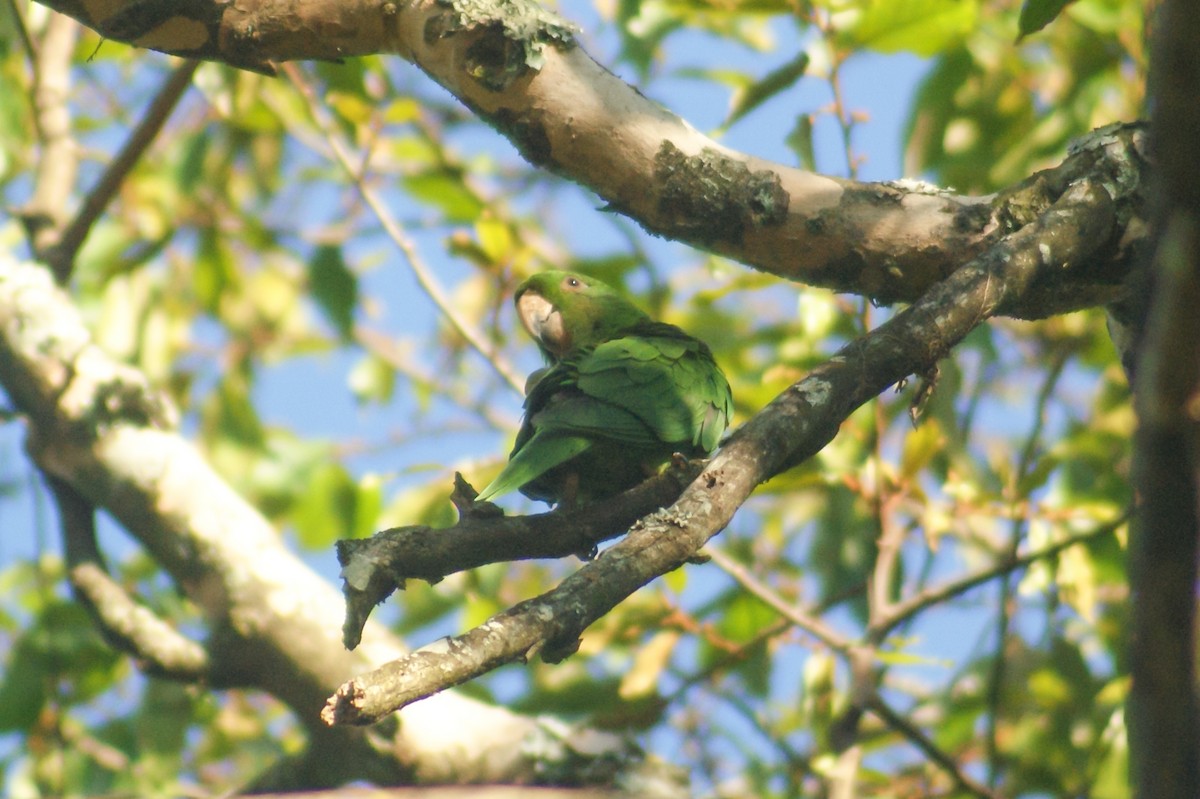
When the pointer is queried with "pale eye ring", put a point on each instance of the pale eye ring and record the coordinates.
(573, 282)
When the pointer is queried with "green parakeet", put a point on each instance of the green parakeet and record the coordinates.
(620, 395)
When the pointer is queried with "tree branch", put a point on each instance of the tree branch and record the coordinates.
(60, 254)
(1163, 706)
(132, 628)
(54, 180)
(518, 67)
(901, 611)
(95, 424)
(373, 568)
(931, 750)
(805, 621)
(792, 428)
(403, 243)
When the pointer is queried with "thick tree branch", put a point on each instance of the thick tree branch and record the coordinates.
(517, 66)
(96, 425)
(796, 425)
(373, 568)
(1164, 547)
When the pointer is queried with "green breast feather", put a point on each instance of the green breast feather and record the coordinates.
(607, 414)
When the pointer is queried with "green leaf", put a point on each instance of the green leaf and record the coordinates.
(191, 165)
(232, 411)
(924, 27)
(372, 380)
(744, 618)
(1037, 14)
(446, 190)
(334, 287)
(921, 446)
(643, 677)
(800, 140)
(495, 239)
(23, 691)
(61, 652)
(774, 82)
(212, 270)
(327, 509)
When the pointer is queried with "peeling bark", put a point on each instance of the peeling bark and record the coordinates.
(518, 67)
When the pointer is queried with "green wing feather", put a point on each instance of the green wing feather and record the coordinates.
(653, 392)
(541, 453)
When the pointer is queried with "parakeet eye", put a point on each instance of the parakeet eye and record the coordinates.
(573, 283)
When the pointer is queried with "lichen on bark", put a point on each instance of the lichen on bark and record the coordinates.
(712, 197)
(514, 36)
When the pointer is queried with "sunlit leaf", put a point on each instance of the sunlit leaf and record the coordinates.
(1037, 14)
(800, 141)
(644, 675)
(447, 192)
(920, 447)
(924, 27)
(327, 509)
(372, 379)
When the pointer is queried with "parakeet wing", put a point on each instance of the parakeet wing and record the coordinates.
(655, 391)
(668, 381)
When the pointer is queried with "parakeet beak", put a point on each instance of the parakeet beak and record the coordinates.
(544, 323)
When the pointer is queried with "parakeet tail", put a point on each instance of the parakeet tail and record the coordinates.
(539, 455)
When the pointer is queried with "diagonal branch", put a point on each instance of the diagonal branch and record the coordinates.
(404, 244)
(792, 428)
(797, 616)
(373, 568)
(519, 68)
(930, 749)
(902, 611)
(158, 647)
(60, 255)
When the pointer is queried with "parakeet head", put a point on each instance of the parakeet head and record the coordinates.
(563, 311)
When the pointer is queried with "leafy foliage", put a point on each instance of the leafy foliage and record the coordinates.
(242, 271)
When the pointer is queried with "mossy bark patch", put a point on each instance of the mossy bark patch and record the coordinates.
(514, 36)
(711, 197)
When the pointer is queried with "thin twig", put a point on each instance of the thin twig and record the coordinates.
(60, 256)
(810, 624)
(930, 749)
(995, 690)
(395, 232)
(902, 611)
(725, 660)
(382, 346)
(128, 625)
(845, 121)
